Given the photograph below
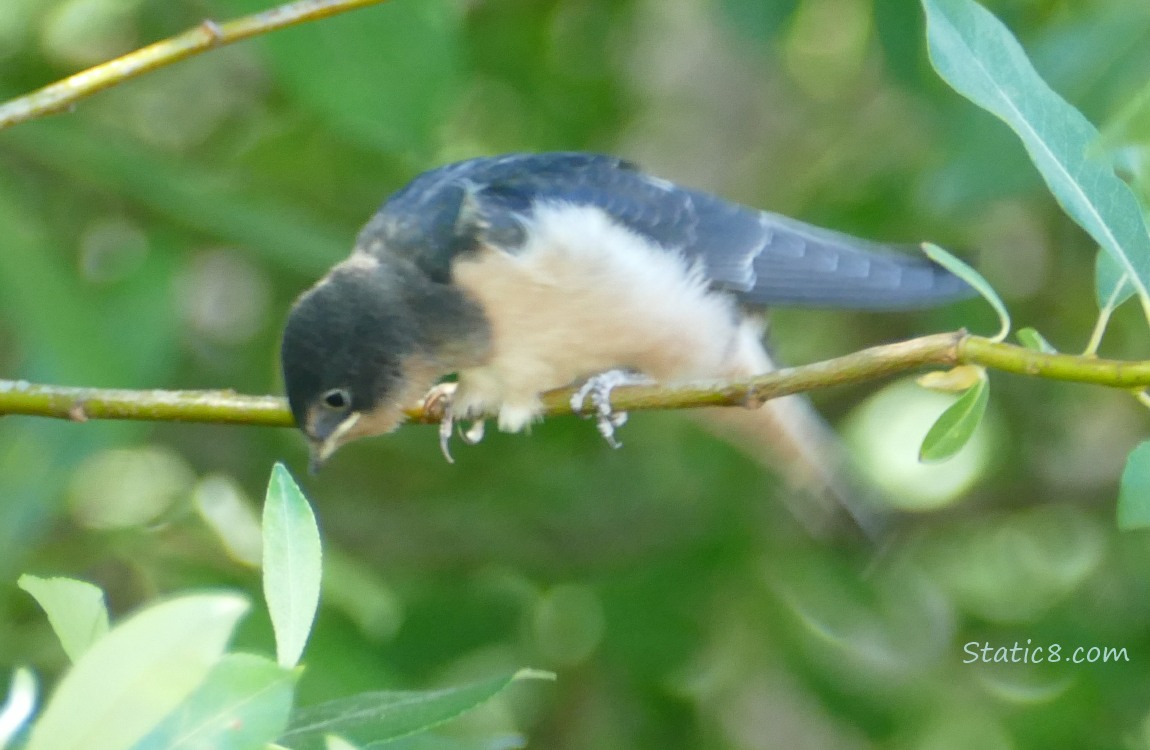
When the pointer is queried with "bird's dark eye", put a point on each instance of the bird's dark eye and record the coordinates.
(337, 398)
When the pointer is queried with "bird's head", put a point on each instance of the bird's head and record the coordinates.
(348, 355)
(364, 344)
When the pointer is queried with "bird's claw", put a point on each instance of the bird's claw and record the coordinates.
(473, 434)
(446, 426)
(598, 389)
(442, 397)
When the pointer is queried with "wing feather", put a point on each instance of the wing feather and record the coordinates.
(762, 258)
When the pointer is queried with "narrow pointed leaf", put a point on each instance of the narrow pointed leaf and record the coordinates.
(979, 57)
(130, 679)
(955, 380)
(954, 427)
(292, 565)
(1035, 341)
(244, 703)
(75, 610)
(1134, 491)
(377, 717)
(975, 279)
(1112, 284)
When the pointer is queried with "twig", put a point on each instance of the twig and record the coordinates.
(944, 349)
(208, 35)
(82, 404)
(868, 364)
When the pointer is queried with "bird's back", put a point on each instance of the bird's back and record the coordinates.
(761, 257)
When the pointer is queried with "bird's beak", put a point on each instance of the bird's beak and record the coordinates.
(316, 458)
(321, 450)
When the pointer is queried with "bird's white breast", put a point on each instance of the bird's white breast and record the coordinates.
(584, 295)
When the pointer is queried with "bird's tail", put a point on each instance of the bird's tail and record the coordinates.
(789, 437)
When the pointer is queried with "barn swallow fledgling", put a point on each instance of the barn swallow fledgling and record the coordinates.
(529, 272)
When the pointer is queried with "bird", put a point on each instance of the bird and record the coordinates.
(527, 272)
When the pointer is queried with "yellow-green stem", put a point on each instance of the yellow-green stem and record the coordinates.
(940, 350)
(208, 35)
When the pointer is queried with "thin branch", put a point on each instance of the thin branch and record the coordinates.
(943, 349)
(208, 35)
(868, 364)
(82, 404)
(1099, 331)
(1112, 373)
(1104, 314)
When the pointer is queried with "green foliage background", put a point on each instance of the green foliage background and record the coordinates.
(157, 235)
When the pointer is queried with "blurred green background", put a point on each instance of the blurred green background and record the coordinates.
(156, 236)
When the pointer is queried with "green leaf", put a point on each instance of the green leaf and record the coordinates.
(279, 232)
(335, 742)
(244, 703)
(1131, 126)
(1035, 341)
(975, 279)
(40, 290)
(954, 427)
(979, 57)
(389, 715)
(18, 708)
(358, 591)
(1134, 490)
(292, 561)
(1111, 283)
(130, 679)
(75, 609)
(428, 741)
(758, 21)
(1135, 166)
(384, 76)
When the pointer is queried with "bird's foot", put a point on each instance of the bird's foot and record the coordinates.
(598, 389)
(442, 398)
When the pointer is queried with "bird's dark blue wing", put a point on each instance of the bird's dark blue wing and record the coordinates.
(763, 258)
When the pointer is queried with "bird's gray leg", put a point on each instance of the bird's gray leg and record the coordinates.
(598, 389)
